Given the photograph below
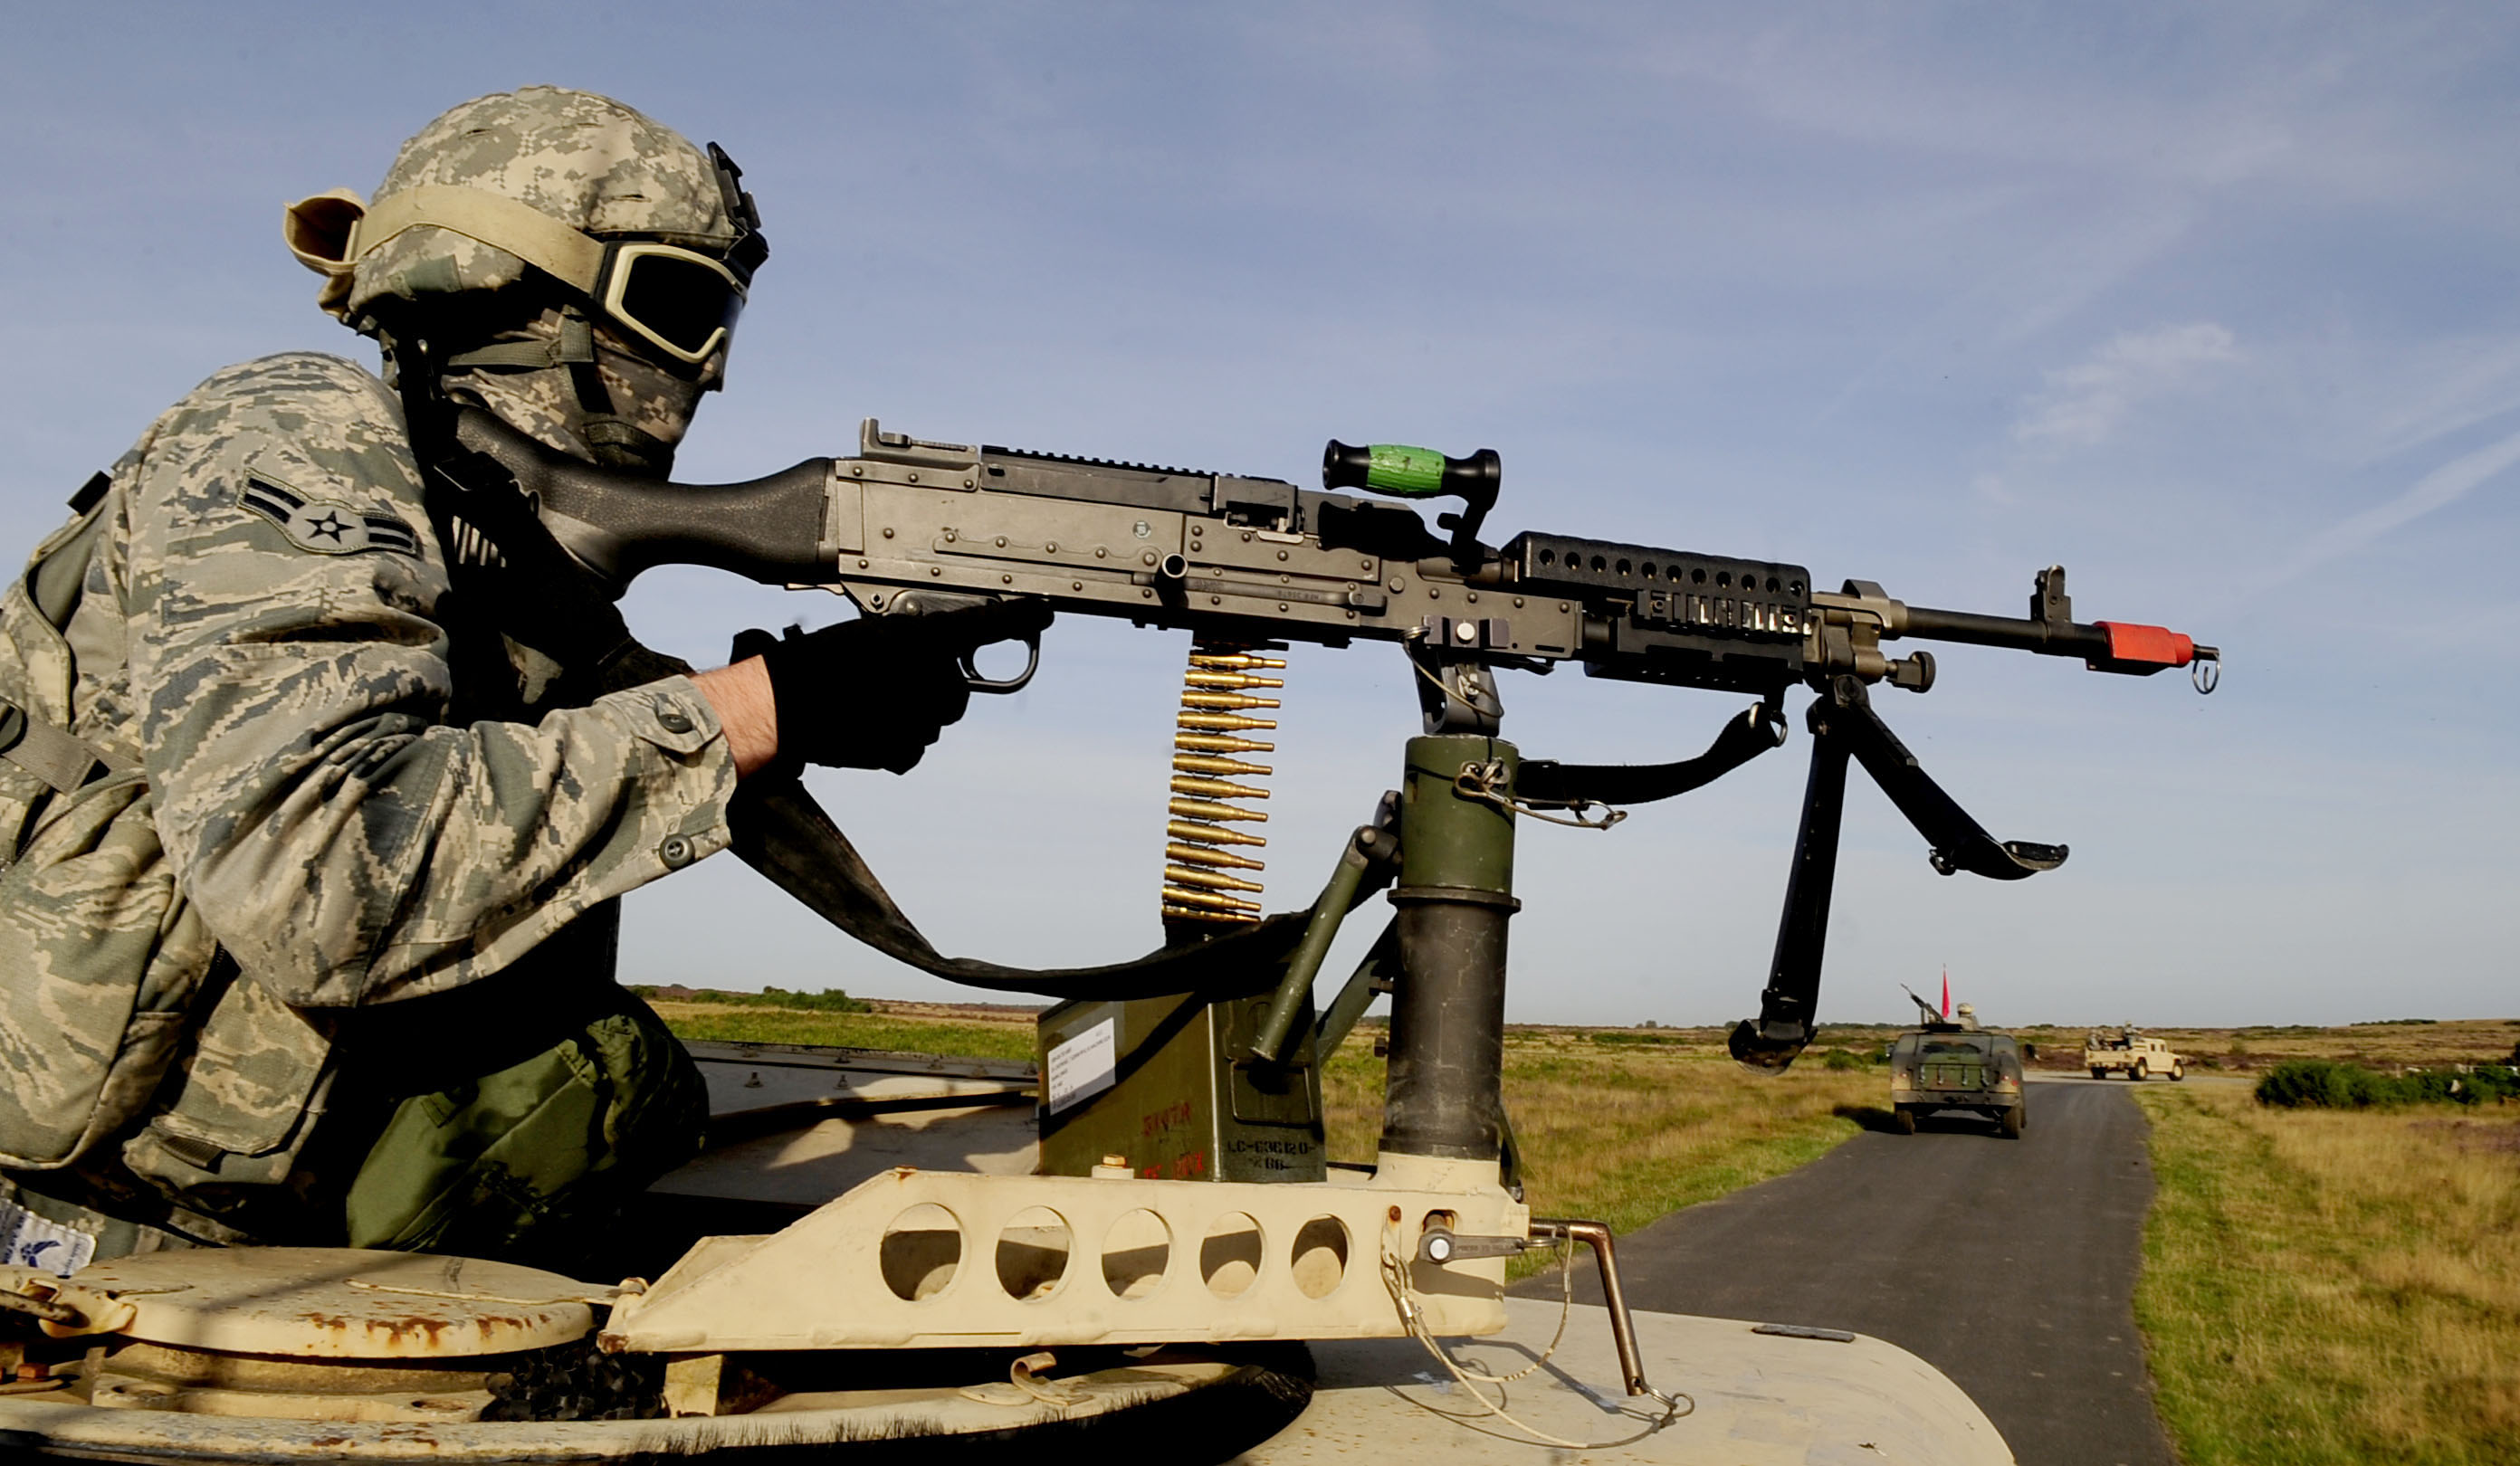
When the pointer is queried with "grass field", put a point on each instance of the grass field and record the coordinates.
(2463, 1041)
(1626, 1133)
(2331, 1287)
(1622, 1132)
(977, 1037)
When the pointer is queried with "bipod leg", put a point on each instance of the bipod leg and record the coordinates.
(1959, 843)
(1786, 1007)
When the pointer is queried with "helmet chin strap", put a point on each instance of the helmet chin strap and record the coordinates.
(615, 441)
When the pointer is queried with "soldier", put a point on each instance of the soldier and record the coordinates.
(316, 806)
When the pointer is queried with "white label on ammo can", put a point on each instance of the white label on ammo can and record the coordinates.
(1083, 1066)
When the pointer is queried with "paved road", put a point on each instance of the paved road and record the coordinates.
(2009, 1266)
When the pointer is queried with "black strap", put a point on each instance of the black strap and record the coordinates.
(1553, 785)
(779, 831)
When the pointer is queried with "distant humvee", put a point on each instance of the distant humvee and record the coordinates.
(1955, 1064)
(2130, 1052)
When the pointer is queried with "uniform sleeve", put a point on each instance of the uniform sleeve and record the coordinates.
(291, 681)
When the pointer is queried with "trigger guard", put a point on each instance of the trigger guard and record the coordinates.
(973, 679)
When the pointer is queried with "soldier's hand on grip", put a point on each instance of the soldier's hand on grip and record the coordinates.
(875, 692)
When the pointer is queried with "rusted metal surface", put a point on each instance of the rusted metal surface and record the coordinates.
(135, 1376)
(66, 1427)
(326, 1303)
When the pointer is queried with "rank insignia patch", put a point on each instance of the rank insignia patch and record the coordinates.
(327, 526)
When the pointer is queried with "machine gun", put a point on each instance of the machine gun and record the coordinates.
(1125, 1234)
(1248, 565)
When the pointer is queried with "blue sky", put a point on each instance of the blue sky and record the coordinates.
(2218, 306)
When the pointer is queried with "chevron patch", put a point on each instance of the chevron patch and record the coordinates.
(327, 526)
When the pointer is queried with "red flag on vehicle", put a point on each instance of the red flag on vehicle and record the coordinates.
(1947, 991)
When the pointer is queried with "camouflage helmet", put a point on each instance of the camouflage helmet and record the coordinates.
(446, 219)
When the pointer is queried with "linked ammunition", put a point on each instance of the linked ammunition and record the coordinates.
(1212, 699)
(1215, 788)
(1200, 855)
(1214, 834)
(1193, 763)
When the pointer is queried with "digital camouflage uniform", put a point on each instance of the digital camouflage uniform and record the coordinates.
(405, 828)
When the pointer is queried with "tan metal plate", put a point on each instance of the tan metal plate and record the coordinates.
(329, 1302)
(1759, 1401)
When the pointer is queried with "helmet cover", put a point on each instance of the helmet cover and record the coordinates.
(583, 160)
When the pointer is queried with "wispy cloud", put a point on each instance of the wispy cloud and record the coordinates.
(2442, 486)
(2084, 404)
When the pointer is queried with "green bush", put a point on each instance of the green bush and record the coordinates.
(2325, 1083)
(1840, 1058)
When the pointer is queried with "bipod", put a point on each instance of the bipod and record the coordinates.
(1843, 725)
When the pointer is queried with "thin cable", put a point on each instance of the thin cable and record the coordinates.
(1412, 1318)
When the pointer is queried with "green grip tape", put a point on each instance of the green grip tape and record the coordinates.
(1409, 472)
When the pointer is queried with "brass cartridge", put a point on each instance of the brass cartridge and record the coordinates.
(1174, 912)
(1215, 788)
(1233, 659)
(1214, 834)
(1229, 680)
(1200, 855)
(1207, 880)
(1197, 763)
(1225, 701)
(1204, 809)
(1192, 742)
(1219, 722)
(1207, 899)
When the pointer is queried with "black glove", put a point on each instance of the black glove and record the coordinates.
(874, 692)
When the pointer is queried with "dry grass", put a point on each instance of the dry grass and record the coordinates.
(2334, 1287)
(1626, 1133)
(976, 1037)
(2383, 1045)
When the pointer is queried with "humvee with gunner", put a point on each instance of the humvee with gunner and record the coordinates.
(2128, 1051)
(1955, 1064)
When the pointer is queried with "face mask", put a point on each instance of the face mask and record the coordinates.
(579, 386)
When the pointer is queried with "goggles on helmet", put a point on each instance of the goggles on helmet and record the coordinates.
(679, 301)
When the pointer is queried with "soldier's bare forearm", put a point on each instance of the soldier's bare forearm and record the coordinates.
(740, 695)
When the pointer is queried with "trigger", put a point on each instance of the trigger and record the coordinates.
(973, 678)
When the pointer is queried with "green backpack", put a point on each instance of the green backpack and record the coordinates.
(100, 956)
